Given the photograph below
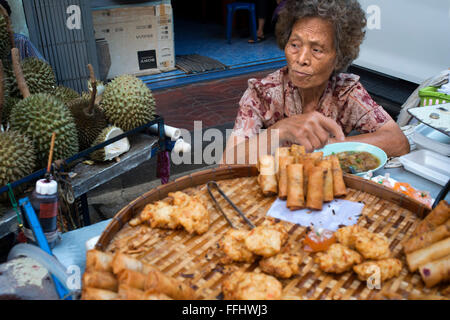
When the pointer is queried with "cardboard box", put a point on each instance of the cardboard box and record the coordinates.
(140, 38)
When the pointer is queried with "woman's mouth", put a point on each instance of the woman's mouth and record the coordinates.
(302, 74)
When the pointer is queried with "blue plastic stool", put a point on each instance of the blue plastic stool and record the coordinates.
(232, 8)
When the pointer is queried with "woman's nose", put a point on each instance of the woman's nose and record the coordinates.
(304, 57)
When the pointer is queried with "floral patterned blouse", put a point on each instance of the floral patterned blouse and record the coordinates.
(274, 98)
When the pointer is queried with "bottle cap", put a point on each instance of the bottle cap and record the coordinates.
(45, 186)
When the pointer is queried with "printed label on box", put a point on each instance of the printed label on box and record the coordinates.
(147, 59)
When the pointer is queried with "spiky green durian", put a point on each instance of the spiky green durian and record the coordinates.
(10, 102)
(38, 116)
(65, 94)
(128, 103)
(112, 150)
(17, 157)
(89, 121)
(38, 74)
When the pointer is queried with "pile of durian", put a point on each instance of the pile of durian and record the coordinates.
(33, 106)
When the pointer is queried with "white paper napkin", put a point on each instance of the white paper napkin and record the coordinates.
(334, 214)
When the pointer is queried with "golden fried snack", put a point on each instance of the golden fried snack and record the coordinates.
(132, 278)
(284, 264)
(193, 216)
(438, 216)
(372, 245)
(158, 282)
(123, 262)
(337, 259)
(160, 215)
(251, 286)
(127, 292)
(98, 260)
(347, 235)
(266, 240)
(98, 294)
(100, 280)
(267, 178)
(295, 187)
(338, 177)
(297, 150)
(279, 153)
(233, 245)
(283, 177)
(427, 238)
(420, 257)
(387, 269)
(435, 272)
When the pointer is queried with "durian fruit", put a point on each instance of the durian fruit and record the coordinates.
(39, 77)
(39, 115)
(89, 118)
(128, 103)
(5, 34)
(17, 155)
(65, 94)
(112, 150)
(10, 102)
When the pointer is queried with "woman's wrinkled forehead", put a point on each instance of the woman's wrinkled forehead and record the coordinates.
(315, 30)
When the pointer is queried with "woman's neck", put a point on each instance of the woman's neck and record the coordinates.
(311, 97)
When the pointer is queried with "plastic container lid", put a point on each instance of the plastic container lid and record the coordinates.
(46, 187)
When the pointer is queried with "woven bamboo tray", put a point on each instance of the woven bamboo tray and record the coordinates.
(195, 259)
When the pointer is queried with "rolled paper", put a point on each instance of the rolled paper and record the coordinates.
(314, 193)
(328, 192)
(420, 257)
(435, 272)
(339, 187)
(171, 132)
(100, 280)
(295, 190)
(267, 179)
(282, 181)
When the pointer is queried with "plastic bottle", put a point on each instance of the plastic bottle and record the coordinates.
(44, 200)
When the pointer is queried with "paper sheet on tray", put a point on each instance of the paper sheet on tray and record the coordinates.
(334, 214)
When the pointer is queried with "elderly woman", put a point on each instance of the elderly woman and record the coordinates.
(310, 101)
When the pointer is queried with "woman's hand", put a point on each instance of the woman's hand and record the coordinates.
(311, 130)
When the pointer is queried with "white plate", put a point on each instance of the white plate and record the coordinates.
(428, 164)
(426, 137)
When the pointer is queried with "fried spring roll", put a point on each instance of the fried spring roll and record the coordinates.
(127, 292)
(328, 193)
(435, 272)
(267, 178)
(314, 193)
(297, 150)
(282, 181)
(316, 156)
(428, 238)
(435, 218)
(420, 257)
(158, 282)
(132, 278)
(100, 280)
(98, 294)
(280, 153)
(308, 164)
(150, 295)
(339, 187)
(98, 260)
(123, 262)
(295, 187)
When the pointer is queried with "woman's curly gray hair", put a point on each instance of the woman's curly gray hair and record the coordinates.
(347, 17)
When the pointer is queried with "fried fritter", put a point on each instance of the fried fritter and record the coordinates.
(337, 259)
(266, 240)
(233, 245)
(192, 215)
(347, 235)
(387, 269)
(284, 264)
(373, 246)
(251, 286)
(160, 215)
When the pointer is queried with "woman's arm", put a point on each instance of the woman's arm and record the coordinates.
(389, 137)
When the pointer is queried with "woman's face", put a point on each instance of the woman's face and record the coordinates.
(310, 52)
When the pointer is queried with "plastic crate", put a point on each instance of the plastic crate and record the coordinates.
(429, 96)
